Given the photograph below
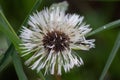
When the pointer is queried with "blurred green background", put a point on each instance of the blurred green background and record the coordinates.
(96, 13)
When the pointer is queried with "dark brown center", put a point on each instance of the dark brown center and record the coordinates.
(56, 40)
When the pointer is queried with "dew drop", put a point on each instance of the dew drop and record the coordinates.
(104, 27)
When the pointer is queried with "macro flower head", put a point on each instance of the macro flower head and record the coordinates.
(51, 38)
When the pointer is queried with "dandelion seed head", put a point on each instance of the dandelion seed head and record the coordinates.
(51, 38)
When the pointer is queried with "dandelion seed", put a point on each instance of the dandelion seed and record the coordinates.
(50, 39)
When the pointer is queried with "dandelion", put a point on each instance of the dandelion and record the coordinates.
(51, 38)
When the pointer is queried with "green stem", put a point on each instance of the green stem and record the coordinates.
(57, 77)
(111, 57)
(106, 27)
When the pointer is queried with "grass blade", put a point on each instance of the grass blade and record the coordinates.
(18, 66)
(35, 7)
(7, 29)
(6, 58)
(106, 27)
(111, 57)
(41, 75)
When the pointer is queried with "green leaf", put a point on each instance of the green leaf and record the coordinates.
(18, 66)
(111, 57)
(106, 27)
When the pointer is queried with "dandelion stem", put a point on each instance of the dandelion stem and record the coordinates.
(57, 77)
(111, 57)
